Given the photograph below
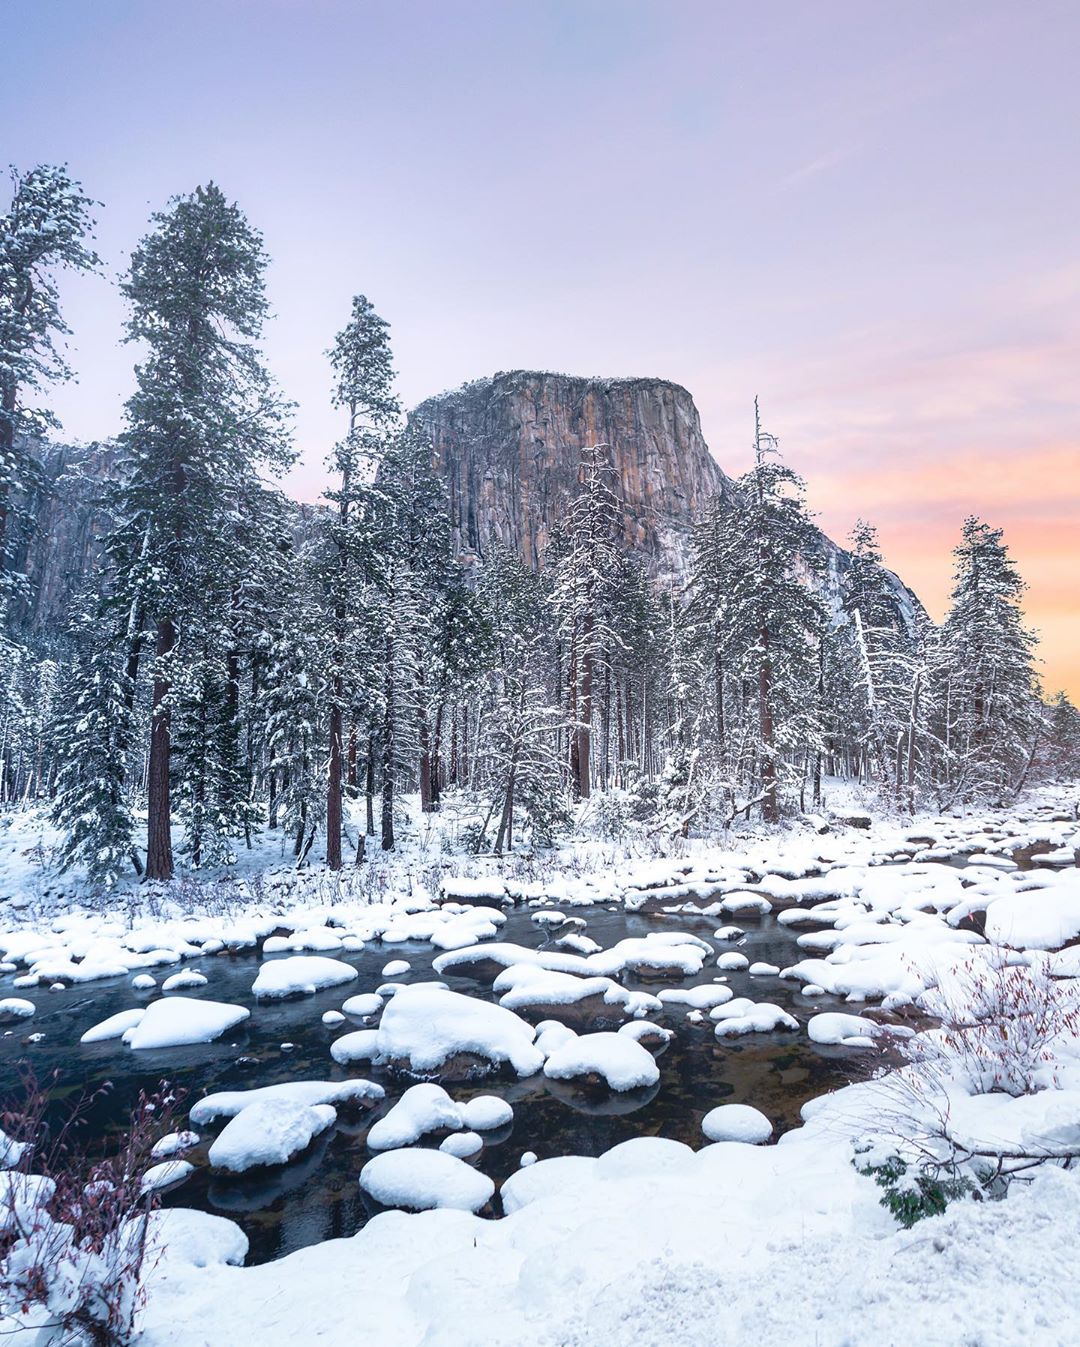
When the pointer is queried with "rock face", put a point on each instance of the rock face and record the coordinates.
(509, 449)
(58, 545)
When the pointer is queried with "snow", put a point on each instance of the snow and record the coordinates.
(367, 1003)
(269, 1132)
(851, 1030)
(188, 977)
(651, 1242)
(178, 1020)
(698, 998)
(10, 1150)
(360, 1046)
(340, 1093)
(173, 1143)
(421, 1109)
(736, 1122)
(15, 1008)
(743, 1016)
(166, 1175)
(462, 1144)
(1044, 919)
(300, 975)
(396, 967)
(423, 1027)
(115, 1026)
(183, 1239)
(486, 1112)
(423, 1179)
(545, 1178)
(527, 986)
(619, 1061)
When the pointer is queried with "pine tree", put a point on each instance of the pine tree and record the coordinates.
(42, 233)
(205, 416)
(989, 691)
(92, 805)
(361, 362)
(414, 572)
(883, 662)
(584, 556)
(768, 621)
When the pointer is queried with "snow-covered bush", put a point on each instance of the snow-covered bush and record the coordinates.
(1001, 1026)
(74, 1229)
(978, 1100)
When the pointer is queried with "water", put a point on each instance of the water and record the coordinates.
(318, 1197)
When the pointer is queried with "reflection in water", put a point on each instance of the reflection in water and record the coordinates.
(318, 1197)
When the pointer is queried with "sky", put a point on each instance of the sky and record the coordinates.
(864, 212)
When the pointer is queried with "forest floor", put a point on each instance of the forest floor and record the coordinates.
(903, 935)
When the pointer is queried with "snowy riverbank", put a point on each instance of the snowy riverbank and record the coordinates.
(879, 933)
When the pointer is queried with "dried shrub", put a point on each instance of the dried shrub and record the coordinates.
(74, 1226)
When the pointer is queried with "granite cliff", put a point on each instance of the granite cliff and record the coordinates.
(508, 448)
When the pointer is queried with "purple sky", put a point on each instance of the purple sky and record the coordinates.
(868, 213)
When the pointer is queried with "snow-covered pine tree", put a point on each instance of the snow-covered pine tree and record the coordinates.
(583, 557)
(769, 622)
(415, 569)
(363, 379)
(521, 715)
(92, 806)
(204, 418)
(1060, 754)
(988, 689)
(882, 661)
(42, 233)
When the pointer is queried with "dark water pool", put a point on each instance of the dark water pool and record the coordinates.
(318, 1197)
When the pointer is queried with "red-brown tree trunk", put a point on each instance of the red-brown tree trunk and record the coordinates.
(159, 857)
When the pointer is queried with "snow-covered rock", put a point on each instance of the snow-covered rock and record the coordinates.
(269, 1132)
(166, 1175)
(114, 1027)
(300, 975)
(851, 1030)
(736, 1122)
(744, 1016)
(340, 1093)
(178, 1020)
(421, 1109)
(462, 1144)
(420, 1180)
(620, 1062)
(424, 1028)
(187, 977)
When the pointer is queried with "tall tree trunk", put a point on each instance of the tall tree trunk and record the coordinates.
(453, 748)
(159, 857)
(424, 736)
(584, 754)
(436, 757)
(369, 787)
(350, 779)
(333, 786)
(388, 746)
(770, 811)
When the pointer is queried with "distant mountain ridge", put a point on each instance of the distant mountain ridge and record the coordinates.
(508, 448)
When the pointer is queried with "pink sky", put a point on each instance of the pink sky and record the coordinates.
(866, 213)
